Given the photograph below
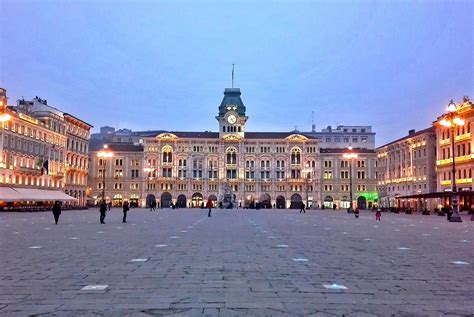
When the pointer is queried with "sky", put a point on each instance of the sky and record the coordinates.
(157, 65)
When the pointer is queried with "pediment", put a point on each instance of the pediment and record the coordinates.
(296, 138)
(166, 136)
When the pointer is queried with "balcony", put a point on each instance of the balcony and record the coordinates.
(458, 181)
(27, 170)
(459, 159)
(444, 142)
(463, 137)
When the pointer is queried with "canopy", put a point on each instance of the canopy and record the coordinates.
(437, 194)
(9, 194)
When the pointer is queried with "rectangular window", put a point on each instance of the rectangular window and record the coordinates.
(231, 174)
(328, 164)
(361, 174)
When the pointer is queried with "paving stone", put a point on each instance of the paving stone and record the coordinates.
(220, 268)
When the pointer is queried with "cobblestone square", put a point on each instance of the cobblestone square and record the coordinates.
(238, 262)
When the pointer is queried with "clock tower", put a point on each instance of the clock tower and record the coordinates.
(232, 116)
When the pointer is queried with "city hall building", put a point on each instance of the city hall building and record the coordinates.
(270, 169)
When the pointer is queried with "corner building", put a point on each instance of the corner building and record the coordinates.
(274, 169)
(464, 157)
(36, 133)
(406, 167)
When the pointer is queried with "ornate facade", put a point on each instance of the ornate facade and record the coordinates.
(464, 154)
(407, 167)
(76, 160)
(38, 148)
(271, 169)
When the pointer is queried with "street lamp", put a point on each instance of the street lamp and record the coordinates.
(104, 154)
(4, 117)
(350, 156)
(451, 120)
(307, 171)
(148, 169)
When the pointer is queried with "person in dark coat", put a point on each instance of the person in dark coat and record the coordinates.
(303, 207)
(103, 210)
(56, 211)
(110, 205)
(126, 208)
(209, 205)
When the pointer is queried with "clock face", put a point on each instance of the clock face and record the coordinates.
(231, 119)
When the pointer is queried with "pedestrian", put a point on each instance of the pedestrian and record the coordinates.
(356, 212)
(110, 205)
(378, 215)
(209, 205)
(103, 210)
(56, 211)
(334, 206)
(126, 208)
(302, 209)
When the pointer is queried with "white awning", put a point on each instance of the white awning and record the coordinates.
(9, 194)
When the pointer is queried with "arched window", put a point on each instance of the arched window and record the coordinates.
(295, 156)
(231, 155)
(167, 154)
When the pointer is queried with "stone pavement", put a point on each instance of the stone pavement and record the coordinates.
(236, 263)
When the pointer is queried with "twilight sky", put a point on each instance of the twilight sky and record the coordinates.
(164, 64)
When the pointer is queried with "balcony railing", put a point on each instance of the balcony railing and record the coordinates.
(459, 159)
(463, 137)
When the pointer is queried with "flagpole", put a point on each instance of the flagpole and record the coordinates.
(233, 75)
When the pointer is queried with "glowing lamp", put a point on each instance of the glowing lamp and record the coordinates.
(452, 106)
(458, 121)
(105, 153)
(4, 117)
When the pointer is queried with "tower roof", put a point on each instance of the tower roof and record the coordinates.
(232, 98)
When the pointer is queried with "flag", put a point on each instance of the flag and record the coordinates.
(45, 167)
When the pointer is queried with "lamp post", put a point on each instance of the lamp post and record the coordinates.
(307, 171)
(350, 156)
(149, 169)
(4, 117)
(104, 154)
(451, 120)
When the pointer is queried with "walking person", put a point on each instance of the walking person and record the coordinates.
(303, 207)
(209, 205)
(56, 211)
(378, 215)
(356, 212)
(110, 205)
(103, 210)
(126, 208)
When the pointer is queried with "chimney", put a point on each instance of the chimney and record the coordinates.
(411, 132)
